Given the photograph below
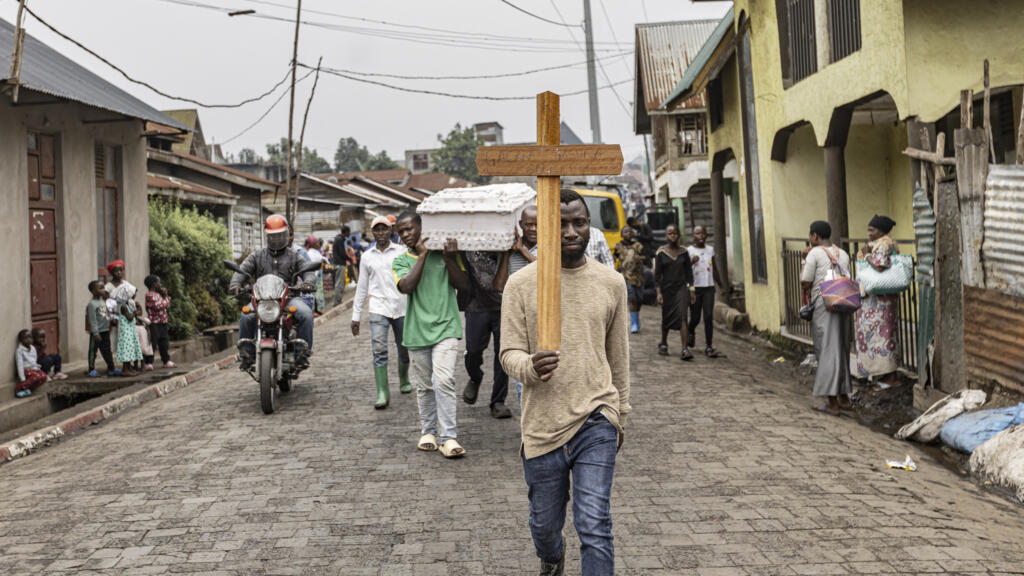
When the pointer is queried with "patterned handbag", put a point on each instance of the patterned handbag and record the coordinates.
(893, 280)
(840, 294)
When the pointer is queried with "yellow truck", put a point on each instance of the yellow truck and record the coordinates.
(606, 213)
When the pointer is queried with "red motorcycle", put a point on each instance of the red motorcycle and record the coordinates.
(280, 353)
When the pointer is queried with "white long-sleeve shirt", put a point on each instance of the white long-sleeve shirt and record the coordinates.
(378, 281)
(26, 360)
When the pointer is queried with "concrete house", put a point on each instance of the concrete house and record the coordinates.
(73, 164)
(809, 107)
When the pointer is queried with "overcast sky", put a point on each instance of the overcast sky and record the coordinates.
(204, 54)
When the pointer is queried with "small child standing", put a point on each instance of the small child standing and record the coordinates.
(157, 304)
(46, 361)
(128, 349)
(98, 320)
(30, 373)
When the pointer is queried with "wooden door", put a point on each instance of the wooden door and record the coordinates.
(44, 267)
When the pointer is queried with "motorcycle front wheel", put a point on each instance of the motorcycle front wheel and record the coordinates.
(268, 393)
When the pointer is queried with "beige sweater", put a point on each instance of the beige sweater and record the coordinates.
(593, 367)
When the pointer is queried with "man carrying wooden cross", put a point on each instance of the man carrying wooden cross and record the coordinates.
(576, 391)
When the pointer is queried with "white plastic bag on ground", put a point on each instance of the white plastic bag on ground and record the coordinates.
(927, 426)
(1000, 460)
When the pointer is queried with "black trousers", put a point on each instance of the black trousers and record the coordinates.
(480, 327)
(103, 346)
(705, 304)
(161, 340)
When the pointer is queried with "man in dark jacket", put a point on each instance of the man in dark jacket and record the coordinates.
(483, 321)
(281, 260)
(340, 261)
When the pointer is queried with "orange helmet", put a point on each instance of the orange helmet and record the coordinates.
(276, 229)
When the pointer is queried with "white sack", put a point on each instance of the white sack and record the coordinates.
(1000, 460)
(927, 426)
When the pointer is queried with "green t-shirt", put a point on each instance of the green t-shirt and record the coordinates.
(432, 314)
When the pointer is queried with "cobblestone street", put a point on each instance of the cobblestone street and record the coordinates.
(724, 470)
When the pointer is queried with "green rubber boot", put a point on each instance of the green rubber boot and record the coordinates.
(380, 374)
(403, 378)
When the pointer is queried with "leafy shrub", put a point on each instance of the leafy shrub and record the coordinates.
(186, 248)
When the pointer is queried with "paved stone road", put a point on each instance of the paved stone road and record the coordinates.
(724, 471)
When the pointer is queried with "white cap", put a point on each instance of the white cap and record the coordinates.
(380, 220)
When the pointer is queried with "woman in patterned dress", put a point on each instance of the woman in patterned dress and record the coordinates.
(877, 352)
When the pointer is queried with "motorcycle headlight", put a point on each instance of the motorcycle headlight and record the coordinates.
(268, 311)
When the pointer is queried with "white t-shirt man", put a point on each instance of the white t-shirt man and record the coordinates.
(703, 277)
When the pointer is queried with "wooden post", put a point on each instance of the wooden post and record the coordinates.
(14, 78)
(549, 231)
(548, 161)
(291, 124)
(967, 109)
(302, 137)
(987, 120)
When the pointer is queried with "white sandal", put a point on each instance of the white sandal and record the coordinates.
(452, 449)
(427, 443)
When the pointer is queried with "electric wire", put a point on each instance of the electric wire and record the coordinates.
(611, 28)
(445, 94)
(455, 39)
(473, 77)
(541, 18)
(267, 113)
(146, 84)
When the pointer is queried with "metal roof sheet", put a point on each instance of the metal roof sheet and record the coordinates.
(664, 51)
(700, 60)
(45, 70)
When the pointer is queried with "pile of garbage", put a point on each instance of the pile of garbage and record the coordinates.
(994, 437)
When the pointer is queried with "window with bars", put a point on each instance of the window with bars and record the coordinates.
(690, 137)
(108, 196)
(844, 28)
(802, 57)
(420, 162)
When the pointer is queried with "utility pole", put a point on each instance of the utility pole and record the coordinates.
(595, 114)
(302, 137)
(291, 124)
(14, 78)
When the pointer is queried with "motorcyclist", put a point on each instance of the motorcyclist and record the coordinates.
(281, 260)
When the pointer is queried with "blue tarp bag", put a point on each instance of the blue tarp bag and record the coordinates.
(968, 431)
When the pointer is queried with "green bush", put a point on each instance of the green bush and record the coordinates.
(186, 248)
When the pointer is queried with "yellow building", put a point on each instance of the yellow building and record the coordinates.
(811, 103)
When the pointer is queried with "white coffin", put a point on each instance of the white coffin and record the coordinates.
(480, 218)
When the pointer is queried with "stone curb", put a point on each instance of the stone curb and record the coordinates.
(51, 434)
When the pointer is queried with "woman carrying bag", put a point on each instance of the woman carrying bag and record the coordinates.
(877, 352)
(834, 296)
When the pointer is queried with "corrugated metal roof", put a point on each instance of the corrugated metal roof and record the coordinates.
(45, 70)
(664, 52)
(699, 61)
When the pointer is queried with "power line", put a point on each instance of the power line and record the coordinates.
(267, 113)
(611, 28)
(147, 85)
(454, 39)
(446, 94)
(541, 18)
(482, 35)
(476, 77)
(599, 64)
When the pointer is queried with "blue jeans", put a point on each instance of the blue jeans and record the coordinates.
(303, 318)
(379, 337)
(590, 460)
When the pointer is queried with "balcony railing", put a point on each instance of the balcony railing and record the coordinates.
(906, 312)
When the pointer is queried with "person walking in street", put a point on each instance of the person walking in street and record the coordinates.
(597, 248)
(644, 235)
(341, 258)
(387, 309)
(875, 322)
(630, 255)
(523, 252)
(831, 331)
(483, 323)
(673, 278)
(575, 400)
(702, 257)
(432, 330)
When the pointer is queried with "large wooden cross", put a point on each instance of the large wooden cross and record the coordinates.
(549, 161)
